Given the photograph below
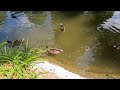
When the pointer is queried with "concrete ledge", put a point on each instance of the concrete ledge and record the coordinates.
(59, 71)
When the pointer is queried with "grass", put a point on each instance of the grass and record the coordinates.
(15, 61)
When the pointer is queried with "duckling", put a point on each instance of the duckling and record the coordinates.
(54, 51)
(16, 42)
(62, 27)
(117, 46)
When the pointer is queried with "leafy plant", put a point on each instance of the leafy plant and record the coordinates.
(19, 59)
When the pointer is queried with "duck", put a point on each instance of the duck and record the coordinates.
(54, 51)
(62, 27)
(117, 46)
(16, 42)
(13, 16)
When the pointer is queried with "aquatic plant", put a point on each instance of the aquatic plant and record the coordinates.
(15, 62)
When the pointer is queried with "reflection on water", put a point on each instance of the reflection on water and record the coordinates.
(85, 60)
(113, 23)
(13, 28)
(87, 41)
(44, 32)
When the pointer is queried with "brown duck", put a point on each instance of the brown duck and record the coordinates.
(53, 51)
(117, 46)
(16, 42)
(62, 27)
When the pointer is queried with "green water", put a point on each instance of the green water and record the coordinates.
(87, 41)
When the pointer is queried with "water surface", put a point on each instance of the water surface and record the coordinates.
(87, 41)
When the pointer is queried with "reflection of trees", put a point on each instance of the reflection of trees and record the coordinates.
(37, 17)
(78, 36)
(13, 29)
(106, 38)
(104, 43)
(71, 13)
(111, 24)
(104, 51)
(44, 32)
(2, 16)
(101, 16)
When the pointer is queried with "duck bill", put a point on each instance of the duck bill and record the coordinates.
(114, 46)
(61, 50)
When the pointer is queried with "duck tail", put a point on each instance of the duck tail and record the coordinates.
(46, 46)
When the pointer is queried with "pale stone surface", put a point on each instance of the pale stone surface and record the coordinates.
(55, 71)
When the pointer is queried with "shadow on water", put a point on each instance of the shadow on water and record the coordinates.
(87, 42)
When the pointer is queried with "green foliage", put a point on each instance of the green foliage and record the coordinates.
(19, 58)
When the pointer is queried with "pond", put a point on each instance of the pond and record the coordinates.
(87, 42)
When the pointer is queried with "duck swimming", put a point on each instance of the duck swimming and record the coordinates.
(16, 42)
(117, 46)
(53, 51)
(62, 27)
(13, 16)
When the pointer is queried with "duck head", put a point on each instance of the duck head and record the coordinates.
(61, 24)
(117, 46)
(13, 16)
(16, 42)
(62, 27)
